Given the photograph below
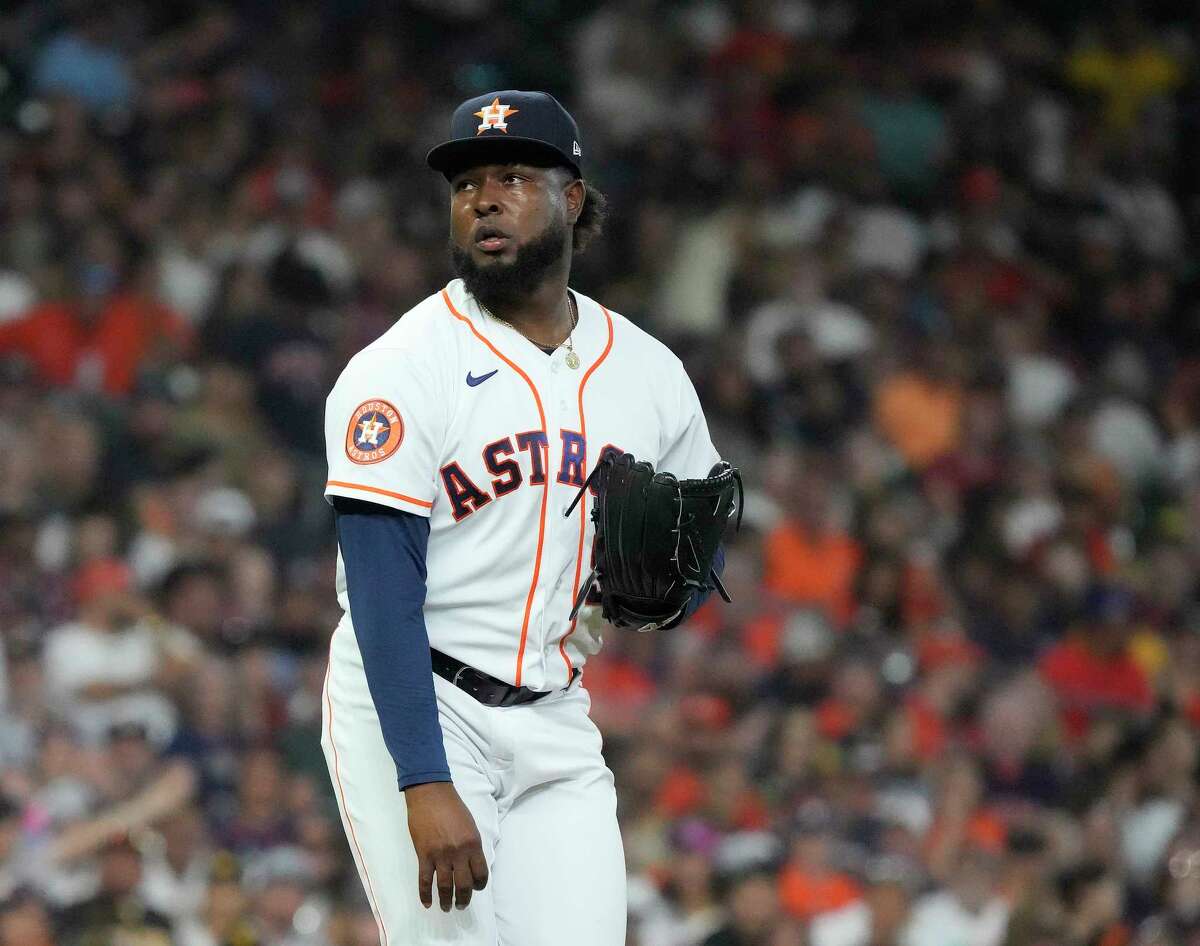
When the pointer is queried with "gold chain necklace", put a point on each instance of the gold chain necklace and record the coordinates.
(572, 359)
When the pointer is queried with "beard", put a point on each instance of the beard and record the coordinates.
(498, 285)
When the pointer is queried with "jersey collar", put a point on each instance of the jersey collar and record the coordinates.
(590, 335)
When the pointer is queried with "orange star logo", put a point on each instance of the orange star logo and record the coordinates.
(369, 431)
(494, 115)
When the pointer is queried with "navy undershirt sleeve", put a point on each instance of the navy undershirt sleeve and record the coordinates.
(383, 552)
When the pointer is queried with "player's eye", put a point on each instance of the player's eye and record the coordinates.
(513, 178)
(463, 185)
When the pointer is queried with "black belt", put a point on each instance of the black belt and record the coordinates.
(485, 688)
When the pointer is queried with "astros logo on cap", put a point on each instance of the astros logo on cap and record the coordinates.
(494, 115)
(374, 433)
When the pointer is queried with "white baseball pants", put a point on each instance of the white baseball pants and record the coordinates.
(542, 798)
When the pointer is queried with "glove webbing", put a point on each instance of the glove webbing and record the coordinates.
(697, 484)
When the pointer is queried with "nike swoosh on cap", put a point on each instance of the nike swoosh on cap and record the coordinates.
(472, 381)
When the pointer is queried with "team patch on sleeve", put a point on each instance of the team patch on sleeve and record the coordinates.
(375, 432)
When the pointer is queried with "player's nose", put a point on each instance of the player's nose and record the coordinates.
(486, 197)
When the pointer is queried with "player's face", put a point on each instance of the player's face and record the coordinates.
(496, 209)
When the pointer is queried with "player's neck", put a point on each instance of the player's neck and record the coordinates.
(544, 316)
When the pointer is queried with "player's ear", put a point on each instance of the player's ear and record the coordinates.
(575, 194)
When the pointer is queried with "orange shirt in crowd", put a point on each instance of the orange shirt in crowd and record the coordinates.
(804, 895)
(920, 417)
(761, 637)
(928, 728)
(684, 792)
(984, 830)
(62, 349)
(817, 569)
(1091, 680)
(1085, 681)
(621, 681)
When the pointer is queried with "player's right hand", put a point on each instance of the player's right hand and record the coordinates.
(447, 843)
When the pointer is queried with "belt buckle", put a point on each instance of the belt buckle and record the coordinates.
(458, 673)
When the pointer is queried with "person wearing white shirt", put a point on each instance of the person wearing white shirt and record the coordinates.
(969, 911)
(879, 917)
(105, 668)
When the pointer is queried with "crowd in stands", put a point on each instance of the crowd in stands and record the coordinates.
(932, 268)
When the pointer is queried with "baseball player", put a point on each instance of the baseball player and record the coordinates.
(456, 726)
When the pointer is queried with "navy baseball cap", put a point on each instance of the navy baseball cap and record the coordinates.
(506, 126)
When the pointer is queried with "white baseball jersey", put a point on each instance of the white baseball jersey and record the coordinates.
(454, 415)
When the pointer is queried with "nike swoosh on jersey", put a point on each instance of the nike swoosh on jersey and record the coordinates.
(472, 381)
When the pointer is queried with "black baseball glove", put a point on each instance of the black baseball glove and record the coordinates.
(656, 537)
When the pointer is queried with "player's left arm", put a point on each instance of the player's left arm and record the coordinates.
(687, 451)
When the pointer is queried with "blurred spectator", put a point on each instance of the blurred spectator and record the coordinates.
(1093, 669)
(809, 560)
(969, 910)
(753, 913)
(878, 918)
(688, 910)
(810, 884)
(286, 913)
(24, 921)
(1123, 67)
(10, 828)
(84, 62)
(261, 822)
(175, 872)
(1094, 905)
(223, 918)
(100, 339)
(117, 912)
(920, 411)
(106, 669)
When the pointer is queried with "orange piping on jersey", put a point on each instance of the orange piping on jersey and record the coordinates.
(562, 644)
(337, 777)
(381, 492)
(537, 561)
